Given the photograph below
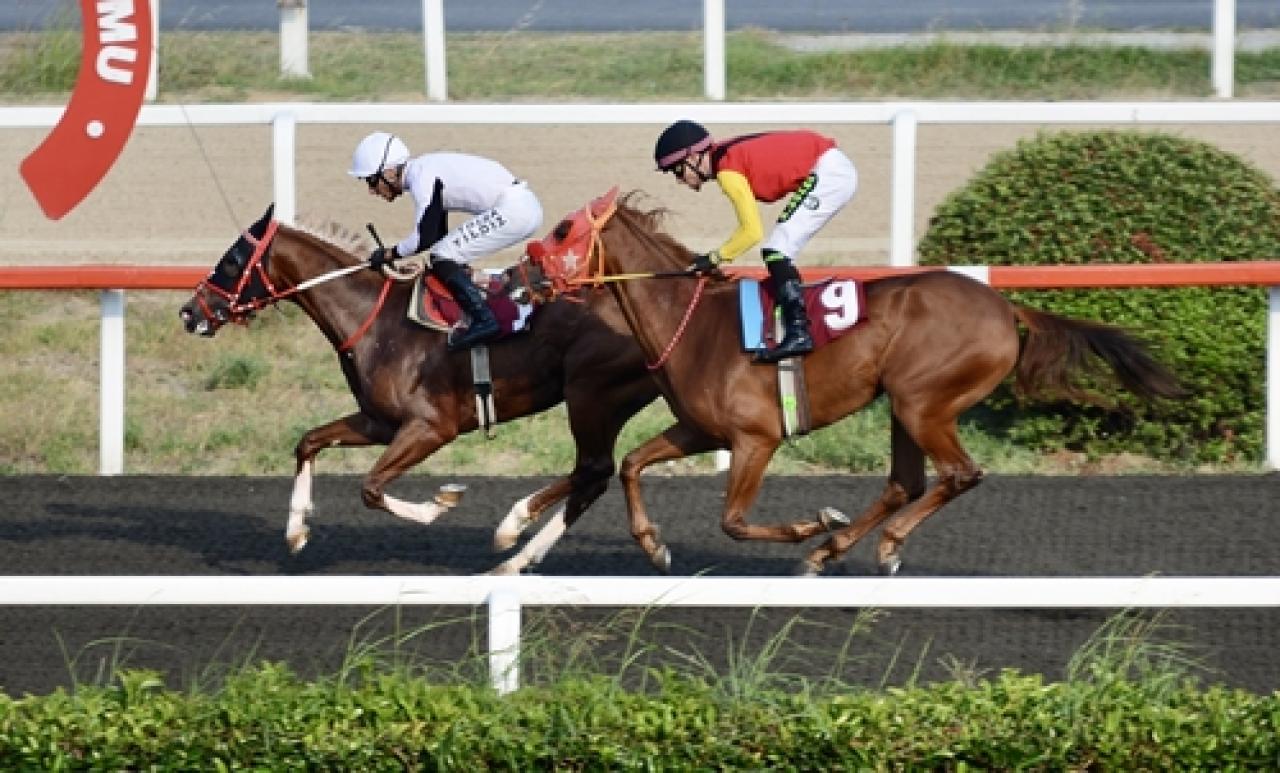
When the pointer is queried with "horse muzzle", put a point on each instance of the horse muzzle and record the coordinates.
(195, 322)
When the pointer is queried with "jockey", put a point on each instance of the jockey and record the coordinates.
(802, 164)
(504, 211)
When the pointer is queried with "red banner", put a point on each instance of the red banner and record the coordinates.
(110, 88)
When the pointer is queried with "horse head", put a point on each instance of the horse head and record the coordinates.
(568, 259)
(238, 285)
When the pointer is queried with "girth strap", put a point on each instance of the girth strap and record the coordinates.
(793, 395)
(486, 414)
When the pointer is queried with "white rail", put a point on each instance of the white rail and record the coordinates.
(505, 596)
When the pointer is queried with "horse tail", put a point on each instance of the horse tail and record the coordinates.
(1057, 350)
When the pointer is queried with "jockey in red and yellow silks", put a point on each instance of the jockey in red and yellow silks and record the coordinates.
(802, 164)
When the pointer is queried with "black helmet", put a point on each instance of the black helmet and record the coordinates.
(677, 141)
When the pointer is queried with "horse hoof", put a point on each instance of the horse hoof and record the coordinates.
(661, 559)
(889, 567)
(808, 568)
(450, 494)
(503, 541)
(504, 569)
(298, 541)
(832, 519)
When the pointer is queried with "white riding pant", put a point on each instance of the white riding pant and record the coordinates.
(516, 216)
(835, 181)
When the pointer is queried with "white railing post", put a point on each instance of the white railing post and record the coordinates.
(433, 48)
(111, 385)
(713, 50)
(153, 72)
(284, 127)
(1224, 48)
(293, 38)
(504, 640)
(903, 194)
(1273, 378)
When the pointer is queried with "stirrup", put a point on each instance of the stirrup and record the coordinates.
(472, 335)
(795, 348)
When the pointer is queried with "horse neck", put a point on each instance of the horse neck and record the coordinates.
(337, 307)
(654, 308)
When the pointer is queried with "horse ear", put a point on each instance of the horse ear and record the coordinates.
(259, 228)
(605, 202)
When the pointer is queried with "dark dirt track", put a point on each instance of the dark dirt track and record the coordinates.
(1009, 526)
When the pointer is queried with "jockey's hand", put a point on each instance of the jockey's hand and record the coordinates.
(704, 264)
(383, 256)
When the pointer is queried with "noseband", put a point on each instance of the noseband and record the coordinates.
(239, 308)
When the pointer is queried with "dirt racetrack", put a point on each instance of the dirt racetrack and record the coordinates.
(180, 195)
(1009, 526)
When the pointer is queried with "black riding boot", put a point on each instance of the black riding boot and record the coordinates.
(796, 340)
(483, 326)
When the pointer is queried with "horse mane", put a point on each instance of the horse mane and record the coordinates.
(332, 233)
(646, 224)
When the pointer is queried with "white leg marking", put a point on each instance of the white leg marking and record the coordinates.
(538, 547)
(513, 525)
(300, 506)
(424, 512)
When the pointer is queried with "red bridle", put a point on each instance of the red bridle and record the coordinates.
(564, 271)
(241, 310)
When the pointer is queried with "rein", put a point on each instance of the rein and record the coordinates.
(684, 322)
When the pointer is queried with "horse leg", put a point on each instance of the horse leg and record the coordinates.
(938, 437)
(676, 442)
(906, 483)
(746, 474)
(585, 488)
(350, 431)
(528, 510)
(595, 426)
(413, 442)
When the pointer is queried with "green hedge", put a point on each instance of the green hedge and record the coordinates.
(267, 719)
(1131, 197)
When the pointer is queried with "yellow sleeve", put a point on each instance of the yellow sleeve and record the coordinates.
(750, 231)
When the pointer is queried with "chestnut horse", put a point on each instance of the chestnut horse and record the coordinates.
(935, 342)
(414, 396)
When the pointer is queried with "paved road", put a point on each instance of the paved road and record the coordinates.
(811, 16)
(1010, 526)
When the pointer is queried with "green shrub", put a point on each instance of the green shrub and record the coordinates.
(1131, 197)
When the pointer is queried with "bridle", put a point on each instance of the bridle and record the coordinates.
(562, 277)
(253, 289)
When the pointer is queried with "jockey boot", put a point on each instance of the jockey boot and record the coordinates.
(483, 326)
(796, 340)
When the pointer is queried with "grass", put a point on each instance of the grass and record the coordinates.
(609, 67)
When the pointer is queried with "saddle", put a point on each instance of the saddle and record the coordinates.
(835, 306)
(433, 307)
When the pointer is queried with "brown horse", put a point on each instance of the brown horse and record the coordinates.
(414, 396)
(935, 343)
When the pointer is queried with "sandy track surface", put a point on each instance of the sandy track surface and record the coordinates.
(179, 195)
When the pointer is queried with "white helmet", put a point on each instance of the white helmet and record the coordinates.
(376, 152)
